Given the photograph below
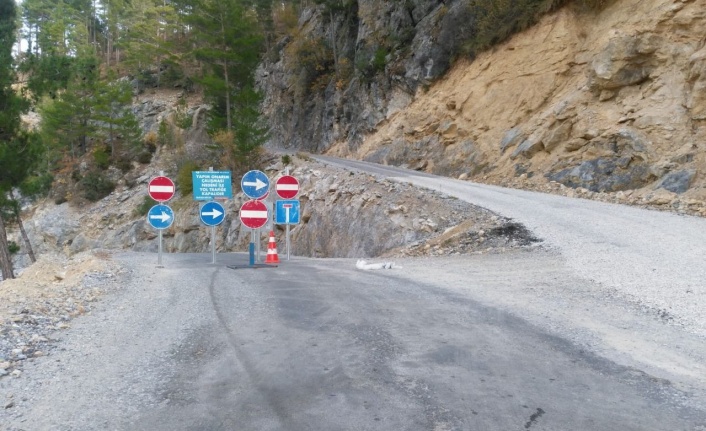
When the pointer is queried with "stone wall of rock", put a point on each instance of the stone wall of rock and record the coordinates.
(349, 105)
(606, 101)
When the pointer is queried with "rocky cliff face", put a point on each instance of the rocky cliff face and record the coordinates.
(311, 106)
(609, 103)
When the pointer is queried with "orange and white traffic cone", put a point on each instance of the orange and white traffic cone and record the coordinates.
(272, 256)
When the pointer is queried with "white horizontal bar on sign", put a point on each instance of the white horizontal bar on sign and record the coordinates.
(287, 186)
(166, 189)
(253, 214)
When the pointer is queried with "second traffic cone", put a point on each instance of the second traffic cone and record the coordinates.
(272, 256)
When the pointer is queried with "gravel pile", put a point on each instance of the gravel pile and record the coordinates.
(44, 299)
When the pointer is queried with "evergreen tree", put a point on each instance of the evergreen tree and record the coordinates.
(66, 120)
(113, 114)
(229, 45)
(151, 25)
(15, 157)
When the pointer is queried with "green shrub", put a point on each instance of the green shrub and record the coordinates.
(313, 61)
(181, 116)
(144, 157)
(151, 140)
(379, 60)
(13, 247)
(496, 20)
(124, 164)
(286, 159)
(95, 186)
(144, 206)
(184, 179)
(164, 135)
(101, 156)
(37, 185)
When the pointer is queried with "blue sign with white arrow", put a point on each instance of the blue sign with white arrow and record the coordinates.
(287, 211)
(212, 213)
(255, 184)
(160, 216)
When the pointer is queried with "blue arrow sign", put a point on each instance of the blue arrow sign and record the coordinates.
(160, 216)
(212, 213)
(255, 184)
(287, 211)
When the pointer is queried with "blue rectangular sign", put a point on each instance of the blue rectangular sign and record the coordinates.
(211, 184)
(287, 211)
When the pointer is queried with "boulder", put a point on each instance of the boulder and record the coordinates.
(528, 148)
(557, 136)
(676, 182)
(605, 175)
(511, 137)
(626, 60)
(696, 99)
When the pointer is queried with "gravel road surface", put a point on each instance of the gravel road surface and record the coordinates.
(432, 344)
(600, 327)
(653, 259)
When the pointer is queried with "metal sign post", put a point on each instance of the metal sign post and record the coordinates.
(258, 238)
(159, 255)
(287, 212)
(287, 237)
(213, 244)
(160, 217)
(212, 214)
(252, 247)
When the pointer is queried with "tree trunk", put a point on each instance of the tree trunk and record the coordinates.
(19, 42)
(5, 259)
(228, 119)
(23, 232)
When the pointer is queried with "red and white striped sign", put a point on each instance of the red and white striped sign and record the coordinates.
(287, 187)
(161, 189)
(254, 214)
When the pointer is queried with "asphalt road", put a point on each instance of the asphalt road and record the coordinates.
(320, 345)
(535, 340)
(651, 256)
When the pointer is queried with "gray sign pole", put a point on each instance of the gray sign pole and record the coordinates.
(251, 249)
(258, 238)
(159, 255)
(287, 240)
(213, 243)
(213, 233)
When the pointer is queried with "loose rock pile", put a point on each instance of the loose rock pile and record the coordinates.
(45, 298)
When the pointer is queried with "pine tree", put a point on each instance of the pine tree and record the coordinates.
(113, 114)
(229, 44)
(66, 120)
(13, 155)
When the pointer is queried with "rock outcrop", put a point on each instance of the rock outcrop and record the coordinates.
(605, 101)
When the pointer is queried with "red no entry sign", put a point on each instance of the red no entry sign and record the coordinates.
(253, 214)
(287, 187)
(161, 189)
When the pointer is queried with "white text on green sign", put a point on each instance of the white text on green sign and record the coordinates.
(211, 185)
